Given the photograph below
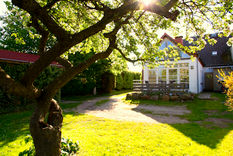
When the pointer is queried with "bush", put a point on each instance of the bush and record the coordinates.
(124, 80)
(68, 147)
(119, 82)
(78, 87)
(228, 84)
(84, 83)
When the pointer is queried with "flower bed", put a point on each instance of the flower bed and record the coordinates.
(157, 96)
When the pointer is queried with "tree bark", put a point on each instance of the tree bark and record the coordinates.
(47, 135)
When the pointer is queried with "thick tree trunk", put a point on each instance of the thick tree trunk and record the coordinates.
(47, 136)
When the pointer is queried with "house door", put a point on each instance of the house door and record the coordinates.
(209, 82)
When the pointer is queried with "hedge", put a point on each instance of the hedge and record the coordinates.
(124, 80)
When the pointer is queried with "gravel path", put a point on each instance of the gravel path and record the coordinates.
(118, 110)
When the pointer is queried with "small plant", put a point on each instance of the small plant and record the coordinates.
(68, 147)
(227, 81)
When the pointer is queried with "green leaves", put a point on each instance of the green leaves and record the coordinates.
(68, 147)
(18, 40)
(138, 38)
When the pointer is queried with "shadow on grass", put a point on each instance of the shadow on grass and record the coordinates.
(210, 134)
(205, 136)
(14, 125)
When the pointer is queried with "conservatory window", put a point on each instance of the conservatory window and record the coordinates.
(184, 75)
(162, 76)
(178, 73)
(183, 65)
(173, 76)
(152, 76)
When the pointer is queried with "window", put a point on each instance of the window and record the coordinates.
(162, 75)
(183, 65)
(214, 53)
(166, 44)
(184, 55)
(152, 76)
(184, 75)
(173, 76)
(174, 73)
(163, 46)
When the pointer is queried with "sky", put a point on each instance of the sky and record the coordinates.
(2, 7)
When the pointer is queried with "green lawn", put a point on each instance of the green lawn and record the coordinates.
(98, 136)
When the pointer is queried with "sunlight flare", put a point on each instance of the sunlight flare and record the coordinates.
(148, 2)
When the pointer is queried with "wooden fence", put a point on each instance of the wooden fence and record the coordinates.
(162, 88)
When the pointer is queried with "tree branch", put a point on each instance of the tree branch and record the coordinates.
(170, 4)
(43, 41)
(51, 4)
(43, 32)
(67, 75)
(65, 40)
(65, 63)
(126, 58)
(11, 86)
(36, 11)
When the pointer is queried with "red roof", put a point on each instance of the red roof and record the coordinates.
(176, 40)
(17, 57)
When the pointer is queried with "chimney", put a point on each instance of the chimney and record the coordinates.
(179, 39)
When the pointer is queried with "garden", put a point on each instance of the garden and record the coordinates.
(101, 136)
(70, 91)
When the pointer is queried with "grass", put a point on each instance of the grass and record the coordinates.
(82, 98)
(197, 107)
(14, 127)
(98, 136)
(70, 105)
(101, 102)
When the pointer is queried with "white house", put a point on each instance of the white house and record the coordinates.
(200, 72)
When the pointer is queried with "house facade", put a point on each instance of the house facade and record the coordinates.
(198, 73)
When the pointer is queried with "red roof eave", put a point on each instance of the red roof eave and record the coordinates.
(169, 37)
(17, 57)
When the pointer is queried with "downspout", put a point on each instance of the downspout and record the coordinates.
(143, 72)
(197, 77)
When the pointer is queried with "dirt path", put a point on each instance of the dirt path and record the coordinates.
(117, 110)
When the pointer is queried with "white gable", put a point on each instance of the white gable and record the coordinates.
(166, 43)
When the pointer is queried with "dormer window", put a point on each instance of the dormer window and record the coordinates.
(214, 35)
(214, 53)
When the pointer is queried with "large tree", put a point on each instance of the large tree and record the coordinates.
(125, 26)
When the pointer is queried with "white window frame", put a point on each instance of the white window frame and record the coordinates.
(178, 67)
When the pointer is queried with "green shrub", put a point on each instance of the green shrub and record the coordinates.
(84, 83)
(78, 87)
(124, 80)
(119, 82)
(68, 147)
